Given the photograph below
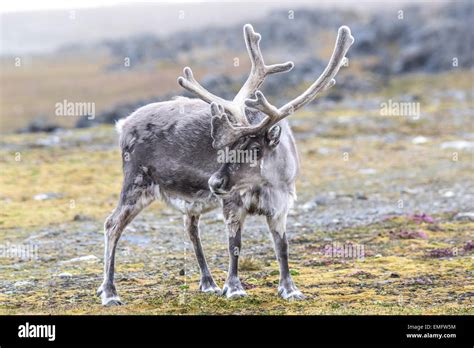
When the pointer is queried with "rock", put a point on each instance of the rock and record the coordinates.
(419, 140)
(48, 141)
(411, 191)
(420, 281)
(81, 217)
(457, 145)
(361, 196)
(323, 200)
(46, 196)
(323, 151)
(23, 283)
(39, 124)
(367, 171)
(466, 295)
(87, 258)
(310, 205)
(446, 194)
(468, 216)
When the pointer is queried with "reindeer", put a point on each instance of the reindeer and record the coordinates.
(169, 152)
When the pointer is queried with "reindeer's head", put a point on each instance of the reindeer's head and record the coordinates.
(232, 131)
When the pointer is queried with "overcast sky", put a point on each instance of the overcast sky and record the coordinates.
(33, 5)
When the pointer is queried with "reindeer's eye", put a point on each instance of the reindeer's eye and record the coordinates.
(256, 150)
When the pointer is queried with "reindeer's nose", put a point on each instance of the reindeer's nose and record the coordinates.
(217, 184)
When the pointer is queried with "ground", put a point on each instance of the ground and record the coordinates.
(396, 191)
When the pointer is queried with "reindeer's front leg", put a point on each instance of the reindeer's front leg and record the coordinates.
(287, 289)
(234, 219)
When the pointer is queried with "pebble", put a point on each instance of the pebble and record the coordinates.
(411, 191)
(81, 217)
(419, 140)
(45, 196)
(367, 171)
(457, 145)
(82, 258)
(22, 283)
(447, 194)
(308, 206)
(467, 216)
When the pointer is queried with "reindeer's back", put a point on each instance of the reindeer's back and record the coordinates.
(172, 141)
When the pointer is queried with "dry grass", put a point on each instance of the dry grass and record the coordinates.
(395, 277)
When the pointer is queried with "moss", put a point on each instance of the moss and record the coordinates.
(394, 277)
(357, 286)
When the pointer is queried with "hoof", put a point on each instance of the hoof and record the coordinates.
(233, 292)
(112, 302)
(208, 286)
(109, 296)
(292, 294)
(211, 290)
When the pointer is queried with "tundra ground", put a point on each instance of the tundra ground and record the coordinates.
(398, 190)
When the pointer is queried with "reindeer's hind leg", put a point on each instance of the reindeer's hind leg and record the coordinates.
(137, 193)
(207, 284)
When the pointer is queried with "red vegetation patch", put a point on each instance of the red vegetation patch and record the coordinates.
(468, 246)
(405, 234)
(362, 275)
(419, 218)
(441, 252)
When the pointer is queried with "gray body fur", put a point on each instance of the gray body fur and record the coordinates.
(167, 154)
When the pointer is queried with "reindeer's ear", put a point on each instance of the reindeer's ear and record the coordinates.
(222, 132)
(273, 136)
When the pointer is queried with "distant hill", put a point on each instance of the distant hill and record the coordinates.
(44, 31)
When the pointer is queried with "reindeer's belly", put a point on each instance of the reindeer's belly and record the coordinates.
(200, 204)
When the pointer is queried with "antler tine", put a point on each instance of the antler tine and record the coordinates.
(189, 83)
(259, 70)
(261, 103)
(325, 81)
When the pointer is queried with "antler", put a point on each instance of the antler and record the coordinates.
(259, 70)
(189, 82)
(325, 81)
(257, 75)
(223, 131)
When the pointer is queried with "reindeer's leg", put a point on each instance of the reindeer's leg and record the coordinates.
(132, 200)
(207, 284)
(234, 218)
(277, 226)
